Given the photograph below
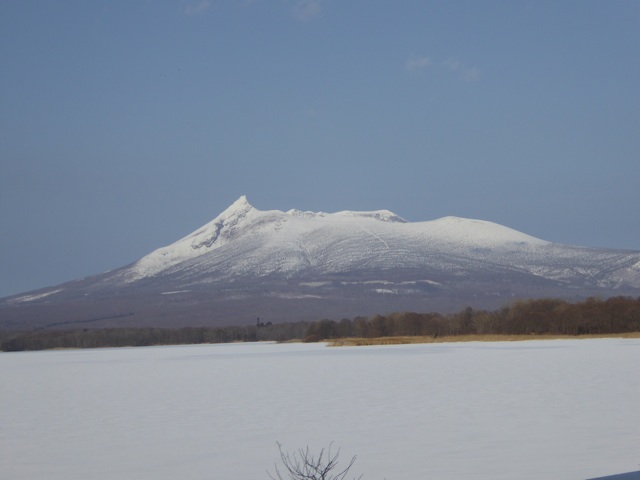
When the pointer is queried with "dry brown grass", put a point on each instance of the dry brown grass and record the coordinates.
(377, 341)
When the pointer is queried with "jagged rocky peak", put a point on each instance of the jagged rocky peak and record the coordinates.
(382, 215)
(210, 236)
(238, 208)
(308, 214)
(241, 207)
(229, 218)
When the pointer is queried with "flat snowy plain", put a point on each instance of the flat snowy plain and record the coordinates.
(505, 410)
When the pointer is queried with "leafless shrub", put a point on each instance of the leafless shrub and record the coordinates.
(304, 465)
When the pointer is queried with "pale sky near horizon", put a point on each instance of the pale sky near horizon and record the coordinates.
(126, 125)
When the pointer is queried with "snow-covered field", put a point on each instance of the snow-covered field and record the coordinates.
(535, 409)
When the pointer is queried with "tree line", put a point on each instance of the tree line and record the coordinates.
(526, 317)
(529, 317)
(147, 336)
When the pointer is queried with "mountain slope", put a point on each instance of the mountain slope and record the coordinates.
(305, 265)
(293, 242)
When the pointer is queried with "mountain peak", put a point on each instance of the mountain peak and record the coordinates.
(239, 207)
(381, 215)
(479, 232)
(211, 235)
(208, 234)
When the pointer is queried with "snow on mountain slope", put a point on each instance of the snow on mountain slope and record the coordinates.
(476, 233)
(295, 265)
(248, 240)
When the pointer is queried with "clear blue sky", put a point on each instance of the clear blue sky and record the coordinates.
(125, 125)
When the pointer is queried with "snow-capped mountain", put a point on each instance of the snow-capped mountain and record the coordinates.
(244, 241)
(248, 263)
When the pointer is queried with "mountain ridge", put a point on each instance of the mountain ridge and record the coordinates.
(227, 225)
(305, 265)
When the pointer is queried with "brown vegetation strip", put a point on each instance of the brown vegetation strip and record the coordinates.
(377, 341)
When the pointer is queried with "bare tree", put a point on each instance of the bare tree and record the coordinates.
(304, 465)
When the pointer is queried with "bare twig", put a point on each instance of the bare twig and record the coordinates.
(304, 465)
